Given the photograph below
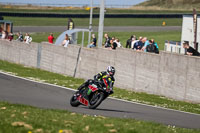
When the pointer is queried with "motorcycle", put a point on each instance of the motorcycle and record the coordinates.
(92, 93)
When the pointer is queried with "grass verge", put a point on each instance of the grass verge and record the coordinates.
(66, 81)
(27, 119)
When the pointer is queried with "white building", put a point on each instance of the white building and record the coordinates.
(187, 35)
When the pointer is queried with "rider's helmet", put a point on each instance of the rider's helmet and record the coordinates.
(111, 70)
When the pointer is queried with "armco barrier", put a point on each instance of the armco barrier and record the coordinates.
(171, 75)
(54, 15)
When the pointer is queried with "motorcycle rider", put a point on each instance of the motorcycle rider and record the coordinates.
(109, 74)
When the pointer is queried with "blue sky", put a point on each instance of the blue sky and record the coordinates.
(84, 2)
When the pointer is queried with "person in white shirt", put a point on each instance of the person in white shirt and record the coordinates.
(66, 41)
(27, 39)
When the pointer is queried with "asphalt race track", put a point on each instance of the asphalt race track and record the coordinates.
(17, 90)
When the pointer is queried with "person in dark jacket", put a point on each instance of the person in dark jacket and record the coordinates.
(190, 50)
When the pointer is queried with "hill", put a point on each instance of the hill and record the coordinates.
(171, 4)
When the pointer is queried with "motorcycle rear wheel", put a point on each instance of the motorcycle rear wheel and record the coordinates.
(73, 101)
(96, 100)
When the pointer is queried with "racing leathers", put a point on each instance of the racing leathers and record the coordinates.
(100, 77)
(105, 76)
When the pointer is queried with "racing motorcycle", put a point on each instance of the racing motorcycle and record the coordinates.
(92, 93)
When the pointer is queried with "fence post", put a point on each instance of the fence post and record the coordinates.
(39, 52)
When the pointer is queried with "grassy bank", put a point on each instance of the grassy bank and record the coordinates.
(159, 37)
(36, 21)
(26, 119)
(84, 10)
(67, 81)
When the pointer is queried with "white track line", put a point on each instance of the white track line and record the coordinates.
(122, 100)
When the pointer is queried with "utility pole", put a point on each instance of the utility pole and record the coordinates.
(101, 24)
(195, 28)
(90, 23)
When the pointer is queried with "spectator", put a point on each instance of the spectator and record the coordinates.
(27, 38)
(94, 42)
(3, 35)
(113, 38)
(151, 47)
(146, 42)
(113, 44)
(134, 40)
(10, 36)
(51, 38)
(157, 48)
(128, 42)
(19, 37)
(118, 42)
(139, 44)
(189, 50)
(107, 42)
(66, 41)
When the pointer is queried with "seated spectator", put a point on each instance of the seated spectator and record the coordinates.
(113, 44)
(107, 42)
(19, 37)
(151, 47)
(94, 42)
(118, 42)
(139, 44)
(10, 36)
(27, 38)
(66, 41)
(51, 38)
(189, 50)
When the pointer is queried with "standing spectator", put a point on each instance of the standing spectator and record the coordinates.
(134, 40)
(128, 42)
(113, 44)
(10, 36)
(51, 38)
(157, 48)
(66, 41)
(146, 42)
(151, 47)
(3, 35)
(107, 42)
(27, 38)
(19, 37)
(118, 42)
(138, 45)
(94, 42)
(189, 50)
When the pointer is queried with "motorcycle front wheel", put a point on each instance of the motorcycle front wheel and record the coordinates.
(96, 100)
(73, 101)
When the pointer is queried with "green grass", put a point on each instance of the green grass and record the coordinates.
(67, 81)
(36, 21)
(159, 37)
(17, 118)
(61, 10)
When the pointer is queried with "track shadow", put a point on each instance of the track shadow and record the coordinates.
(111, 110)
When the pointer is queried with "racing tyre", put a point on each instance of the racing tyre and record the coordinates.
(96, 100)
(73, 101)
